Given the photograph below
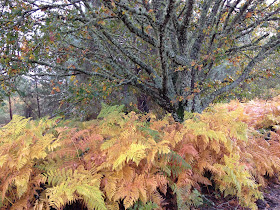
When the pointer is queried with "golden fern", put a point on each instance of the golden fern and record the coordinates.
(234, 179)
(123, 159)
(22, 145)
(66, 186)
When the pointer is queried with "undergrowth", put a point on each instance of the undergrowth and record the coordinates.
(135, 161)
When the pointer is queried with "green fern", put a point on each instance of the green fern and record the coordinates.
(195, 198)
(186, 198)
(110, 110)
(175, 164)
(144, 206)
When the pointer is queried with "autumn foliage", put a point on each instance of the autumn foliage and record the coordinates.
(137, 161)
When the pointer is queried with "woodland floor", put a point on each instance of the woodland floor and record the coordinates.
(271, 197)
(271, 200)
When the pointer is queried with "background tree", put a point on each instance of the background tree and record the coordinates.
(168, 49)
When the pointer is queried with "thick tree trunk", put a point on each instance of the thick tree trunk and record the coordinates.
(193, 106)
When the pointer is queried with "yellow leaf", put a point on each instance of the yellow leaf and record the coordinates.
(193, 63)
(101, 22)
(72, 78)
(31, 57)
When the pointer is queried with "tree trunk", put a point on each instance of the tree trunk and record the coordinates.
(178, 114)
(142, 103)
(194, 106)
(10, 107)
(37, 98)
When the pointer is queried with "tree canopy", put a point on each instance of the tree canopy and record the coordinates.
(184, 54)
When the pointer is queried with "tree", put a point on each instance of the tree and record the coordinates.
(166, 48)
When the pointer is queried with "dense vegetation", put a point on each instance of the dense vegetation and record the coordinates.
(140, 162)
(158, 78)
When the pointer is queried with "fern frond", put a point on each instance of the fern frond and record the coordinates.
(110, 110)
(144, 206)
(235, 180)
(110, 186)
(23, 144)
(156, 198)
(176, 163)
(14, 128)
(69, 185)
(136, 153)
